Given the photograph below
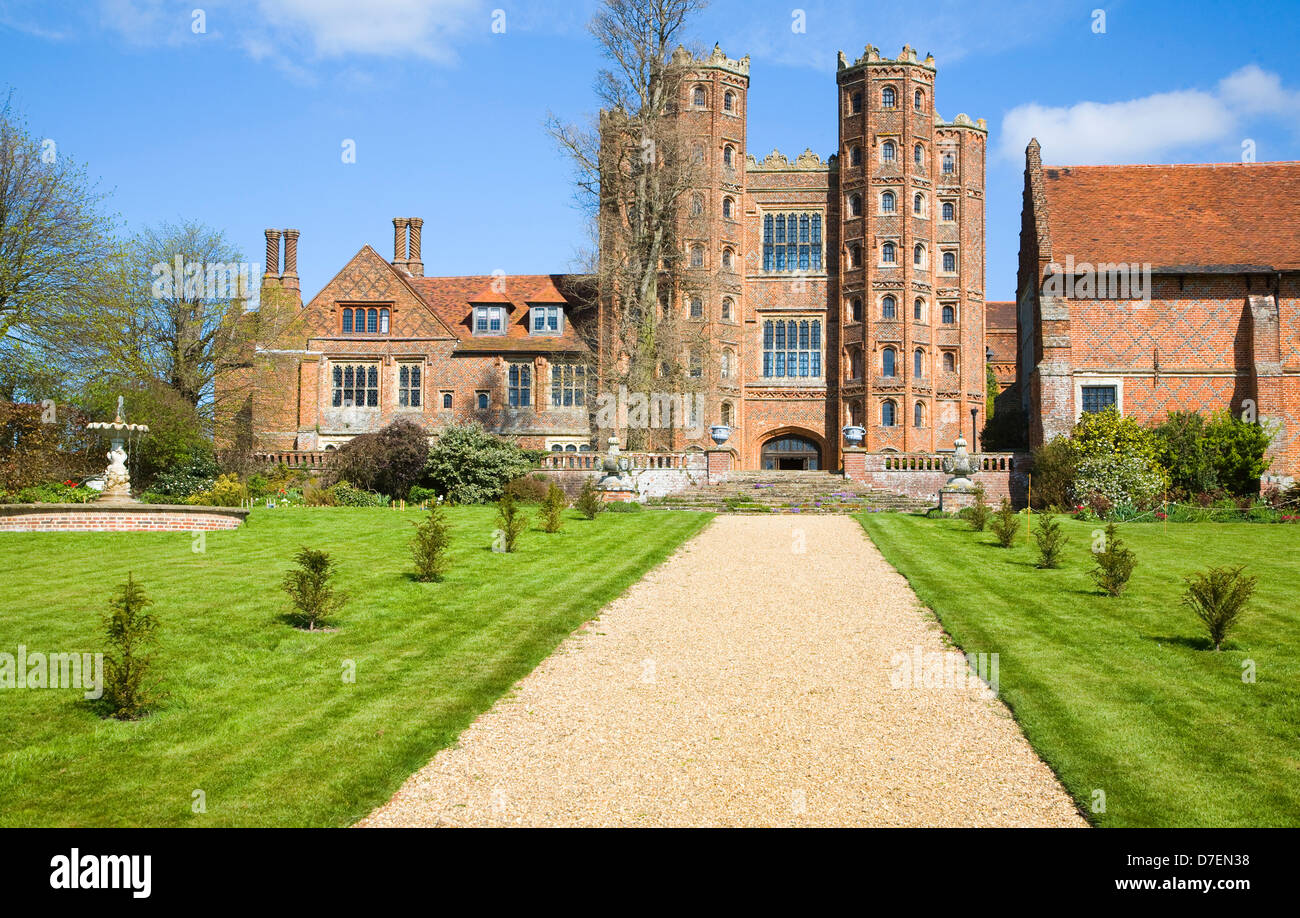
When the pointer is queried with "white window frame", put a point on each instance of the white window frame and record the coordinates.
(488, 312)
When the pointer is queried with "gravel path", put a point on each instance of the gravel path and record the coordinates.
(747, 681)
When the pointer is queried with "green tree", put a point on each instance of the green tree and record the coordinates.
(1114, 562)
(511, 522)
(468, 465)
(553, 508)
(310, 589)
(132, 634)
(1218, 596)
(430, 545)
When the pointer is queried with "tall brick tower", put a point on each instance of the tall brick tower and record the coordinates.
(712, 114)
(910, 283)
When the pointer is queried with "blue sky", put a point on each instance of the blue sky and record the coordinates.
(241, 126)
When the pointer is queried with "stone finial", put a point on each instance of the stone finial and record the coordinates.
(272, 253)
(842, 61)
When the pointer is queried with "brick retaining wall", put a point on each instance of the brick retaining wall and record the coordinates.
(120, 518)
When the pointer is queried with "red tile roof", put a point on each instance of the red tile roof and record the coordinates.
(452, 299)
(1220, 216)
(1000, 314)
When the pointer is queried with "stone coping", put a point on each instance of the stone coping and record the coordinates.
(121, 507)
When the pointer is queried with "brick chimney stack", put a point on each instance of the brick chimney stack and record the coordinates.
(415, 266)
(399, 243)
(271, 273)
(290, 278)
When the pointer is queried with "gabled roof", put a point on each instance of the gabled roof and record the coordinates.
(1206, 217)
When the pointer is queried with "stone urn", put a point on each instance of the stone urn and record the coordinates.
(117, 480)
(854, 435)
(720, 433)
(960, 465)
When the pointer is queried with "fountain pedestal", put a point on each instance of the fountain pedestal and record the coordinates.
(959, 492)
(117, 479)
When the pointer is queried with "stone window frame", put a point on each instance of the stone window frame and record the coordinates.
(446, 399)
(924, 212)
(943, 210)
(918, 415)
(918, 363)
(918, 100)
(943, 258)
(890, 245)
(482, 400)
(855, 155)
(519, 383)
(854, 204)
(774, 250)
(410, 382)
(1085, 380)
(370, 386)
(921, 310)
(888, 202)
(568, 384)
(947, 355)
(890, 314)
(889, 362)
(814, 352)
(546, 310)
(728, 207)
(944, 310)
(888, 152)
(888, 97)
(700, 97)
(728, 309)
(893, 412)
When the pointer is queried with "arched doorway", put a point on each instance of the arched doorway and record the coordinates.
(791, 453)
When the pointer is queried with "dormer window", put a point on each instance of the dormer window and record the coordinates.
(489, 320)
(547, 320)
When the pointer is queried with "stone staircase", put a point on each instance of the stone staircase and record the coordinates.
(785, 492)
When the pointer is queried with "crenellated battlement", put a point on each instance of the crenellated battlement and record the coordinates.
(716, 60)
(776, 161)
(871, 55)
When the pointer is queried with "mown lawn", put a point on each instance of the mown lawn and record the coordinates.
(257, 714)
(1121, 695)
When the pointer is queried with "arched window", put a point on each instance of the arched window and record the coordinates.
(727, 205)
(728, 101)
(697, 308)
(949, 212)
(855, 256)
(949, 315)
(918, 309)
(726, 413)
(697, 256)
(855, 102)
(918, 362)
(700, 97)
(949, 362)
(888, 412)
(724, 364)
(889, 308)
(728, 256)
(728, 308)
(918, 155)
(887, 202)
(918, 102)
(949, 262)
(888, 362)
(918, 204)
(918, 255)
(918, 415)
(888, 97)
(888, 253)
(855, 205)
(728, 155)
(855, 156)
(888, 152)
(855, 363)
(949, 164)
(697, 205)
(856, 310)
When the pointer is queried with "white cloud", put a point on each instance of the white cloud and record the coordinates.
(380, 28)
(1150, 127)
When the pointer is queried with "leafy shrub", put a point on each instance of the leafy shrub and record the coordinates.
(28, 446)
(132, 633)
(191, 475)
(511, 521)
(430, 544)
(589, 503)
(979, 512)
(1184, 453)
(347, 496)
(313, 495)
(309, 588)
(67, 492)
(1236, 450)
(1118, 458)
(1053, 475)
(553, 508)
(1005, 524)
(530, 489)
(1114, 562)
(624, 506)
(420, 494)
(228, 491)
(1218, 596)
(1051, 541)
(468, 465)
(389, 461)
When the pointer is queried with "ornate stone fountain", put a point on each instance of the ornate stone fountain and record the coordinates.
(117, 479)
(617, 483)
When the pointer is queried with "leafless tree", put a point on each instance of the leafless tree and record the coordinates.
(634, 168)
